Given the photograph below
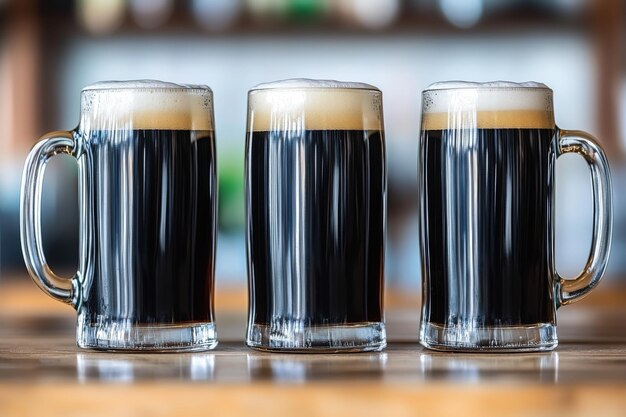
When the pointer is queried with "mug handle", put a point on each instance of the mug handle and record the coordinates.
(66, 290)
(585, 145)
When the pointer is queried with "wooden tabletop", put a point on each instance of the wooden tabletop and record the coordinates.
(42, 372)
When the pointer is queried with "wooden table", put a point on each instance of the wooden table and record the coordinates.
(43, 373)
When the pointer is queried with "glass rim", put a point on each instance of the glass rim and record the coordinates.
(146, 85)
(316, 88)
(487, 86)
(312, 84)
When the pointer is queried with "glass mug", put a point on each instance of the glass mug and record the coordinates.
(486, 183)
(315, 216)
(147, 195)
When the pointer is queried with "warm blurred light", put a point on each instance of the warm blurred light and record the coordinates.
(216, 14)
(374, 14)
(462, 13)
(101, 16)
(621, 112)
(150, 14)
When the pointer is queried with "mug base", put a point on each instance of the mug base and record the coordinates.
(121, 336)
(538, 337)
(292, 336)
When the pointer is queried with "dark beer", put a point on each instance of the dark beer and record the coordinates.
(487, 228)
(157, 190)
(338, 221)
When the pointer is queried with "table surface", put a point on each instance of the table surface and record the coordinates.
(41, 369)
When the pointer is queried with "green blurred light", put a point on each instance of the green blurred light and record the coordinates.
(307, 9)
(231, 212)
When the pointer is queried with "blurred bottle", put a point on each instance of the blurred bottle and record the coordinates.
(421, 6)
(216, 14)
(370, 14)
(463, 14)
(288, 10)
(100, 17)
(265, 10)
(307, 10)
(564, 8)
(150, 14)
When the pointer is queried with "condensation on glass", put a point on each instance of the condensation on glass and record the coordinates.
(147, 195)
(487, 158)
(315, 216)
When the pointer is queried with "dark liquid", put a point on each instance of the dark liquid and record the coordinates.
(487, 226)
(316, 226)
(153, 203)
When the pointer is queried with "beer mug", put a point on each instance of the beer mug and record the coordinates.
(315, 216)
(486, 183)
(147, 195)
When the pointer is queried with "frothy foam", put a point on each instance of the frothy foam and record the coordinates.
(305, 104)
(146, 104)
(496, 104)
(310, 83)
(448, 85)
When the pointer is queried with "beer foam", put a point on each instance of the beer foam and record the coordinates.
(146, 104)
(496, 104)
(305, 104)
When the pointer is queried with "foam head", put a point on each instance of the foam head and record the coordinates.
(304, 104)
(146, 104)
(491, 105)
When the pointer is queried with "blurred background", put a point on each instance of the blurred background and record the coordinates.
(50, 49)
